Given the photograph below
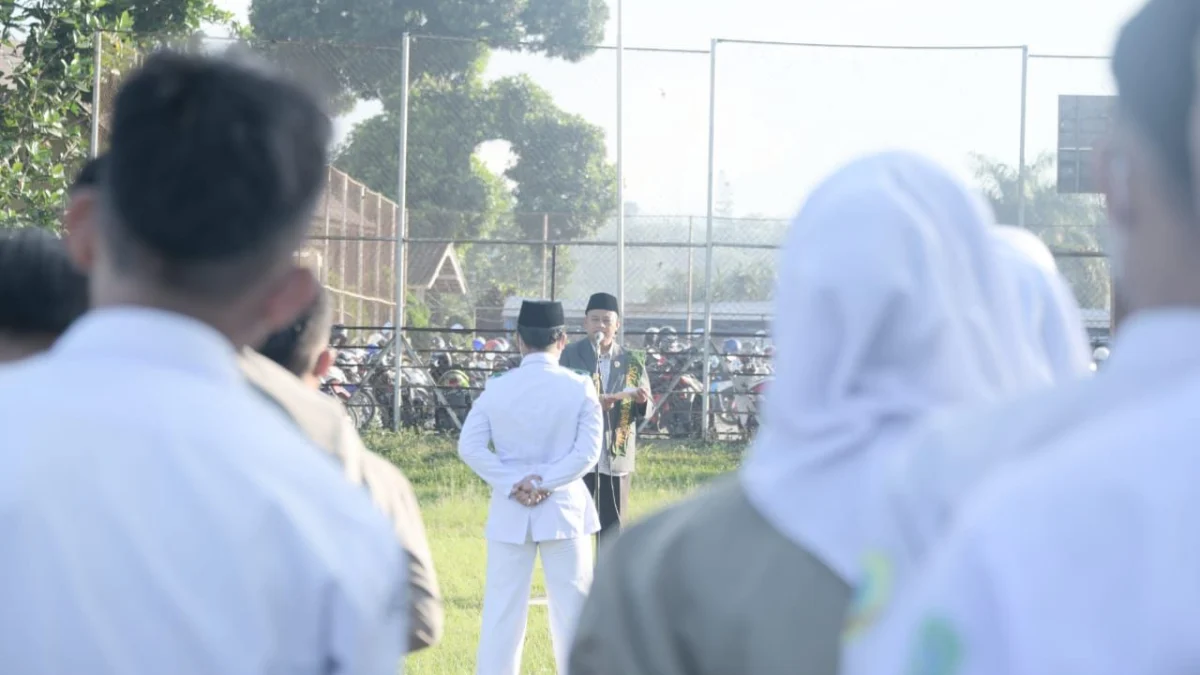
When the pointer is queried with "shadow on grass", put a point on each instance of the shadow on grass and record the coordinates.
(431, 462)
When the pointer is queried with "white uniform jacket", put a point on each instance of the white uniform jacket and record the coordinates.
(541, 419)
(158, 515)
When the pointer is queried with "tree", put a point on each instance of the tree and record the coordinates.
(1069, 224)
(559, 166)
(743, 283)
(557, 28)
(45, 101)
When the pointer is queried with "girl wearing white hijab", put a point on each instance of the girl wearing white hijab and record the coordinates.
(892, 303)
(929, 478)
(1048, 308)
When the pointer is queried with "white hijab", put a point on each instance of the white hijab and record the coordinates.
(892, 303)
(1050, 314)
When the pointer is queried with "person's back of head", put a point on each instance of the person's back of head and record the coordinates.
(1147, 170)
(41, 292)
(89, 176)
(302, 348)
(207, 189)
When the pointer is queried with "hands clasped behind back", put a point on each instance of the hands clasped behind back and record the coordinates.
(527, 491)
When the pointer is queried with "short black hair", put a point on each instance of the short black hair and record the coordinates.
(540, 338)
(41, 291)
(212, 173)
(296, 347)
(89, 175)
(1154, 67)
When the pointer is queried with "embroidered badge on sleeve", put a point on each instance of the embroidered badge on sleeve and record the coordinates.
(870, 596)
(938, 649)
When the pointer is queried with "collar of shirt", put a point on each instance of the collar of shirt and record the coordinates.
(151, 336)
(1156, 338)
(538, 357)
(608, 353)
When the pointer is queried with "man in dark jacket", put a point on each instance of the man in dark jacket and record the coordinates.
(624, 387)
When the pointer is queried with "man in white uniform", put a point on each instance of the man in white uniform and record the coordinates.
(158, 515)
(1082, 558)
(545, 424)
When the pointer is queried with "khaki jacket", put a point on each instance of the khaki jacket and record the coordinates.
(324, 420)
(708, 587)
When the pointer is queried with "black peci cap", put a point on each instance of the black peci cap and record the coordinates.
(604, 301)
(541, 314)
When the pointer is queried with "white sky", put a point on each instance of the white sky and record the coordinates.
(788, 115)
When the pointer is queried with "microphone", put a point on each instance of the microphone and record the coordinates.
(597, 337)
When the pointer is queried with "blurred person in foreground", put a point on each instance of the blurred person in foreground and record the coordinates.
(288, 369)
(177, 522)
(1082, 558)
(925, 482)
(624, 387)
(544, 422)
(753, 574)
(41, 292)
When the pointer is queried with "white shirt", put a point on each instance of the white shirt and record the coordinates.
(928, 481)
(605, 363)
(157, 515)
(1082, 561)
(542, 419)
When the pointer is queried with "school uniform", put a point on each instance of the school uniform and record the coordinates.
(160, 516)
(545, 420)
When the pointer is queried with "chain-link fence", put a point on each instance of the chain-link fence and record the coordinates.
(510, 191)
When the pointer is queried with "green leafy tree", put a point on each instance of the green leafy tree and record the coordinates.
(559, 169)
(46, 82)
(557, 28)
(1069, 224)
(741, 283)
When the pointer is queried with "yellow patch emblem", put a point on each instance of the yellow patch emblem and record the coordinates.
(870, 596)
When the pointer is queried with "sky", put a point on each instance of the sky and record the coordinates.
(787, 115)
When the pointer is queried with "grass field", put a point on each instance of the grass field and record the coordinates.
(454, 505)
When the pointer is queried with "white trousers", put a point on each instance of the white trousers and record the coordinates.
(567, 564)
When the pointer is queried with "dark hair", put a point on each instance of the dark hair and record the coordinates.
(41, 292)
(212, 173)
(540, 338)
(296, 347)
(89, 175)
(1153, 65)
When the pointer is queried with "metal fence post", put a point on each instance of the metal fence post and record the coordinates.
(1021, 152)
(380, 311)
(690, 269)
(545, 252)
(401, 232)
(325, 260)
(360, 283)
(705, 403)
(620, 177)
(97, 57)
(342, 248)
(553, 268)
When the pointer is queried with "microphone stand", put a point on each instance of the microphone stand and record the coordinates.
(595, 340)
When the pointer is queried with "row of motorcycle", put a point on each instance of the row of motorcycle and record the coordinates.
(440, 381)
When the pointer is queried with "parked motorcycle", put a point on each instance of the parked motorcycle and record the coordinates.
(677, 389)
